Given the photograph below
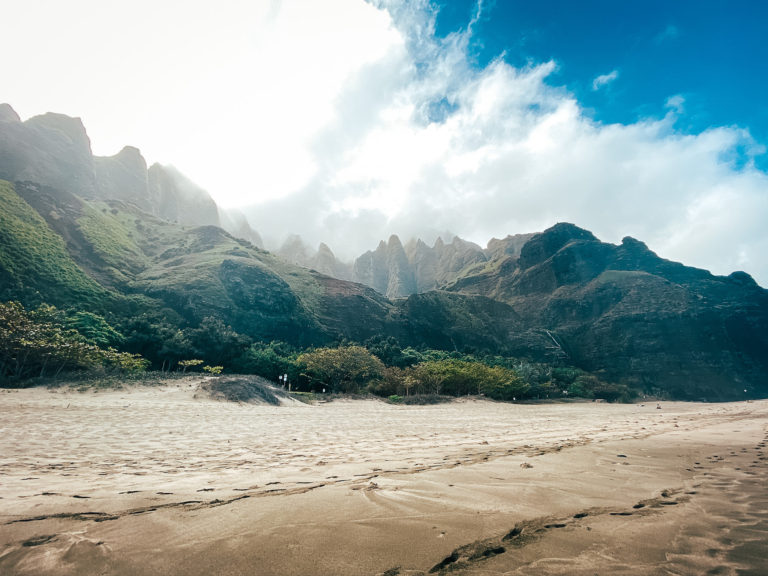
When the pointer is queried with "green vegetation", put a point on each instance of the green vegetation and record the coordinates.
(184, 364)
(270, 360)
(354, 369)
(37, 344)
(34, 263)
(48, 342)
(108, 232)
(464, 377)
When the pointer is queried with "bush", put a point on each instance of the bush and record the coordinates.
(459, 377)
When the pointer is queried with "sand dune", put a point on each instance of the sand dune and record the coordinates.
(165, 480)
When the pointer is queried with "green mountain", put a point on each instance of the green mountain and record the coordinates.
(626, 313)
(142, 248)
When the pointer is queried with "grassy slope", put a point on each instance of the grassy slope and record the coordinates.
(35, 263)
(197, 272)
(110, 233)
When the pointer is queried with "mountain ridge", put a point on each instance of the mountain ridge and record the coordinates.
(54, 150)
(73, 233)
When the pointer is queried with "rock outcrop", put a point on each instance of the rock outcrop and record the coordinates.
(54, 150)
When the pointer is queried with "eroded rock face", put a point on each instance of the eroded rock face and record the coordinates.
(398, 271)
(8, 114)
(400, 280)
(52, 150)
(235, 222)
(175, 197)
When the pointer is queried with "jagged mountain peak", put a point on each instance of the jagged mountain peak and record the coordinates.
(175, 197)
(130, 153)
(54, 150)
(8, 114)
(51, 149)
(323, 248)
(322, 260)
(68, 126)
(394, 241)
(235, 222)
(295, 250)
(396, 270)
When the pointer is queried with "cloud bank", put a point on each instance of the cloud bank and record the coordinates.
(423, 142)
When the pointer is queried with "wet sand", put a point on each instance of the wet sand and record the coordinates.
(165, 480)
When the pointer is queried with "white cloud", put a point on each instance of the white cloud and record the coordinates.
(676, 103)
(604, 79)
(510, 153)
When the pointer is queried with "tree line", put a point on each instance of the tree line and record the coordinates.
(48, 342)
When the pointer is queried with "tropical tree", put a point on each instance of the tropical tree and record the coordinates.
(269, 360)
(36, 344)
(217, 342)
(342, 369)
(94, 328)
(191, 363)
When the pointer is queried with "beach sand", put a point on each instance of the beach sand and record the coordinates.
(165, 480)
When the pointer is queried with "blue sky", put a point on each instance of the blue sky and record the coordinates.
(712, 53)
(345, 121)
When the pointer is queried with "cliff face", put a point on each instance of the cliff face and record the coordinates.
(51, 150)
(124, 177)
(235, 222)
(54, 150)
(175, 197)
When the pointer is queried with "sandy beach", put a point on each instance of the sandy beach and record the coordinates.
(166, 480)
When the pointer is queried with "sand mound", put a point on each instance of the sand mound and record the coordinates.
(253, 389)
